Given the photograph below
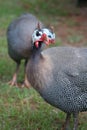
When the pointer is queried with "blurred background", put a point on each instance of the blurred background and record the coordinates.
(23, 109)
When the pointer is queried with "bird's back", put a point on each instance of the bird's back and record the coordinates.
(67, 57)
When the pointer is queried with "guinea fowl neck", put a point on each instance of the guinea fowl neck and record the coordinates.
(37, 51)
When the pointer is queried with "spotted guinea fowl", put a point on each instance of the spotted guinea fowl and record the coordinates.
(19, 35)
(59, 74)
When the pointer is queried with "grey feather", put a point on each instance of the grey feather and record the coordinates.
(59, 74)
(19, 35)
(19, 38)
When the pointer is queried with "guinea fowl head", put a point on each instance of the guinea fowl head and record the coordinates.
(45, 35)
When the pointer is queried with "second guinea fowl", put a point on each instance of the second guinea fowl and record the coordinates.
(19, 35)
(59, 74)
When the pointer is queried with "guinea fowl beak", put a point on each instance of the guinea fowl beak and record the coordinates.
(45, 39)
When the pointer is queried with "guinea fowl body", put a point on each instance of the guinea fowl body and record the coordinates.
(19, 36)
(59, 74)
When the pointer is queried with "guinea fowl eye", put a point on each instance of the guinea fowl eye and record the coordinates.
(37, 33)
(49, 36)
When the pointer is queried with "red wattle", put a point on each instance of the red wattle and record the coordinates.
(37, 44)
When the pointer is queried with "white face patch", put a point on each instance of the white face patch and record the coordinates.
(38, 33)
(49, 33)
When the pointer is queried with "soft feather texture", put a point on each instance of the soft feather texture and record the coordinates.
(19, 37)
(59, 74)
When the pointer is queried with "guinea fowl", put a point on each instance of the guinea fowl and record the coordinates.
(59, 74)
(19, 35)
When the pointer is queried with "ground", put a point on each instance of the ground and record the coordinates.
(72, 29)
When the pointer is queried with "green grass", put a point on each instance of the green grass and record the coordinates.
(24, 109)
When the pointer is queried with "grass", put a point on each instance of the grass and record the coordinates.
(23, 109)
